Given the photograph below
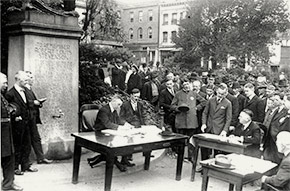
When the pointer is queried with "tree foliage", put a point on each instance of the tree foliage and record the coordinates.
(101, 21)
(241, 28)
(93, 58)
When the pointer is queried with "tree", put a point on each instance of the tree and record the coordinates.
(101, 21)
(215, 29)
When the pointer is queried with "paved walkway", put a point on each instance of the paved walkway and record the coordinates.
(160, 177)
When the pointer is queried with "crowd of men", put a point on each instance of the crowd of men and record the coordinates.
(19, 132)
(247, 111)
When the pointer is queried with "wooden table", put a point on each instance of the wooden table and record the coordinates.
(214, 142)
(112, 146)
(246, 169)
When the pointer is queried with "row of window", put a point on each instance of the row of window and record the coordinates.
(140, 33)
(140, 16)
(149, 34)
(165, 36)
(174, 20)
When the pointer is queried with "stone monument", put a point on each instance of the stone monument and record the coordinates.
(46, 43)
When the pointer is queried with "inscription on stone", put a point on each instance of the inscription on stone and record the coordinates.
(51, 51)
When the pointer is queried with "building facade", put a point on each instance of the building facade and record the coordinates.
(171, 12)
(140, 25)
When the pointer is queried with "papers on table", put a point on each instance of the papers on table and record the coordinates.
(250, 164)
(145, 129)
(217, 137)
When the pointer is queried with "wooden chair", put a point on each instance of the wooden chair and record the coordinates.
(88, 114)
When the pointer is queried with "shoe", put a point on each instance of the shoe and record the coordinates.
(31, 169)
(90, 160)
(44, 161)
(121, 167)
(14, 187)
(97, 160)
(126, 162)
(199, 170)
(18, 172)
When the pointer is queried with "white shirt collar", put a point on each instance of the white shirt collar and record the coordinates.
(251, 96)
(247, 125)
(111, 107)
(18, 88)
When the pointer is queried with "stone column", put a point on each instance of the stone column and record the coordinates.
(48, 46)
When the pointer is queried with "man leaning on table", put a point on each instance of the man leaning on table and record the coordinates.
(247, 131)
(282, 179)
(108, 118)
(217, 116)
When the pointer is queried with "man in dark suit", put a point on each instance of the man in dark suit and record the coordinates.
(34, 120)
(196, 86)
(254, 103)
(20, 126)
(242, 100)
(108, 118)
(132, 111)
(217, 116)
(151, 89)
(235, 108)
(165, 98)
(275, 126)
(248, 131)
(7, 148)
(281, 179)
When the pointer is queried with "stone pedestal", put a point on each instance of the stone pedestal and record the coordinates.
(48, 46)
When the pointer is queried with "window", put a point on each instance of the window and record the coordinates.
(140, 33)
(181, 16)
(174, 19)
(173, 35)
(149, 32)
(150, 15)
(165, 19)
(131, 33)
(131, 17)
(140, 16)
(165, 36)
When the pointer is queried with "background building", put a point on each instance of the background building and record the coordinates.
(171, 12)
(140, 25)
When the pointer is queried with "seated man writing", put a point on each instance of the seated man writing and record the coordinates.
(282, 178)
(247, 131)
(108, 118)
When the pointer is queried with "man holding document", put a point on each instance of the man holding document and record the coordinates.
(108, 118)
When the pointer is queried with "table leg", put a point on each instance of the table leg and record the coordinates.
(76, 162)
(147, 160)
(204, 179)
(180, 155)
(231, 187)
(194, 161)
(239, 186)
(109, 172)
